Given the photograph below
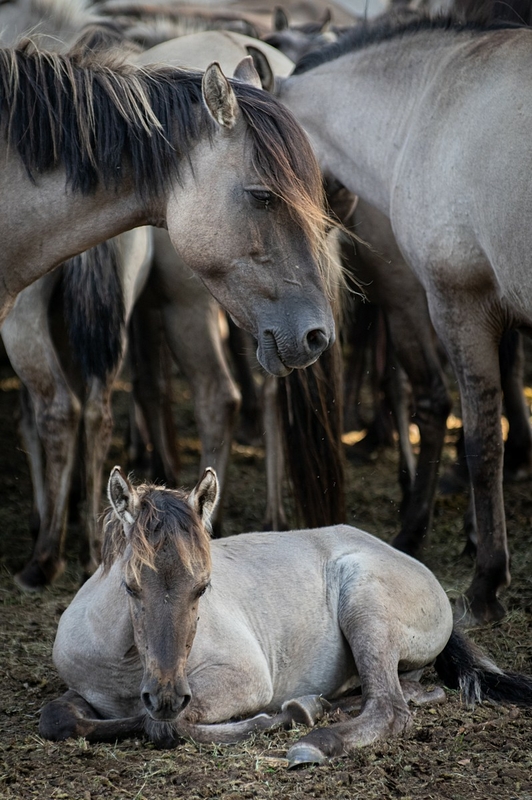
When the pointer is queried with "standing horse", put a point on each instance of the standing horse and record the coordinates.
(417, 142)
(106, 148)
(60, 397)
(176, 636)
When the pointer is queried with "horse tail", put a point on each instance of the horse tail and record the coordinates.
(462, 665)
(94, 309)
(310, 403)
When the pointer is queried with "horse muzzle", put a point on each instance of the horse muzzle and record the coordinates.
(165, 703)
(279, 354)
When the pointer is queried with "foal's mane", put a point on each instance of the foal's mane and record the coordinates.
(164, 516)
(390, 26)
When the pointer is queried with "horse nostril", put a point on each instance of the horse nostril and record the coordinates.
(148, 701)
(317, 340)
(186, 701)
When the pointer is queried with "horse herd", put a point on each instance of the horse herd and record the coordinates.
(425, 120)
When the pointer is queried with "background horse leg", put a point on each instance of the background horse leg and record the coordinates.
(98, 428)
(413, 339)
(34, 358)
(275, 517)
(192, 326)
(473, 351)
(518, 445)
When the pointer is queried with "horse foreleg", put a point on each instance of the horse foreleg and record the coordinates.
(470, 331)
(71, 716)
(194, 339)
(34, 358)
(98, 427)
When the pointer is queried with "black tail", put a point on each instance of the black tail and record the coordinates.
(94, 309)
(311, 412)
(462, 665)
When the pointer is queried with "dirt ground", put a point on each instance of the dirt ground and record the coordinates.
(449, 752)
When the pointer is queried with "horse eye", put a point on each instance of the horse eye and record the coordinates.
(131, 591)
(262, 196)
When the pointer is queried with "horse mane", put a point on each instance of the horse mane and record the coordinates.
(164, 517)
(393, 25)
(93, 115)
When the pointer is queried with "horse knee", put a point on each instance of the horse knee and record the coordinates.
(97, 419)
(58, 418)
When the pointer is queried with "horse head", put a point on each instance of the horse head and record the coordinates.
(252, 224)
(162, 538)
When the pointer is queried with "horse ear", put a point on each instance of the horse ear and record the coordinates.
(122, 496)
(326, 21)
(261, 68)
(219, 96)
(205, 495)
(246, 72)
(280, 19)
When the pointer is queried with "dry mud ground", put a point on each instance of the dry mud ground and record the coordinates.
(449, 752)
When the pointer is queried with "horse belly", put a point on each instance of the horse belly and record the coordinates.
(322, 665)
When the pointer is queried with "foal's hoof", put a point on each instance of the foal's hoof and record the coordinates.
(303, 755)
(306, 710)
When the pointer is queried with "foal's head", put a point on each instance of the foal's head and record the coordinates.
(161, 537)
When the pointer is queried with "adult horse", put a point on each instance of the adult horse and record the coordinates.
(286, 620)
(414, 141)
(94, 149)
(100, 289)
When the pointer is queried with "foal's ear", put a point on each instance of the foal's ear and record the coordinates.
(204, 497)
(122, 496)
(219, 97)
(262, 76)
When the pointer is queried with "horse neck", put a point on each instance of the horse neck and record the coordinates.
(357, 110)
(43, 225)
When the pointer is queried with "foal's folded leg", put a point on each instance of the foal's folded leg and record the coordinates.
(71, 716)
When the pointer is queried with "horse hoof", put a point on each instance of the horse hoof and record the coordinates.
(303, 755)
(468, 615)
(306, 710)
(33, 578)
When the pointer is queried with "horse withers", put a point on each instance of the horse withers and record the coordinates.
(177, 635)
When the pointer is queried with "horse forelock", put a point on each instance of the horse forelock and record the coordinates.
(164, 517)
(390, 26)
(285, 160)
(93, 117)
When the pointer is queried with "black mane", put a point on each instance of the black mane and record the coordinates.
(93, 119)
(389, 26)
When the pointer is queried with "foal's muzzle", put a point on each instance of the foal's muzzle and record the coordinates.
(165, 703)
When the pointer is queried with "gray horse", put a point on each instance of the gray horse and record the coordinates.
(175, 635)
(411, 116)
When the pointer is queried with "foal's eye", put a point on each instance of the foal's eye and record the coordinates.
(132, 592)
(262, 196)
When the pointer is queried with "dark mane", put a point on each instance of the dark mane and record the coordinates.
(389, 26)
(93, 119)
(164, 516)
